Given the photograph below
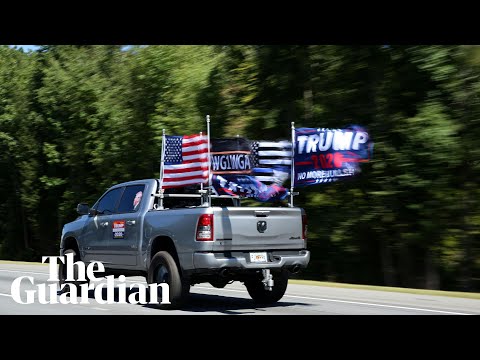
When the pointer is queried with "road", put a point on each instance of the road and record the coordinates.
(234, 299)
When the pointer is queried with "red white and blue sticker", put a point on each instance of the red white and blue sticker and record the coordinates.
(118, 228)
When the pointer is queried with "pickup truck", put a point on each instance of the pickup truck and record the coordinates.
(134, 230)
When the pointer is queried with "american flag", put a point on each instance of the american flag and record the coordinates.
(186, 160)
(271, 161)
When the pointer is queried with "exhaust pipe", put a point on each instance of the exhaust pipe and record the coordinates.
(224, 273)
(295, 269)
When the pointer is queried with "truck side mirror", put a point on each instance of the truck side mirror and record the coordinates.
(83, 209)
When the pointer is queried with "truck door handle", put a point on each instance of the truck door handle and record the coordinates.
(104, 224)
(130, 222)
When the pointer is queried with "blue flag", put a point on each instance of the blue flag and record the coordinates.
(271, 161)
(326, 155)
(247, 186)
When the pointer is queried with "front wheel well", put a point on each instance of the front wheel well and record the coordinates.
(70, 243)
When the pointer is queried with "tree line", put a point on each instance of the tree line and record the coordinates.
(76, 119)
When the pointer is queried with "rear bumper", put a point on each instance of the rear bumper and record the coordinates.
(241, 260)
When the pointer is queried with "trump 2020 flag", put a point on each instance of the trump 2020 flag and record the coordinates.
(185, 160)
(326, 155)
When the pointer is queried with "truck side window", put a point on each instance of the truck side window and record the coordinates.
(109, 201)
(131, 199)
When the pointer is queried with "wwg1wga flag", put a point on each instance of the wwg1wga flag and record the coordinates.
(230, 156)
(271, 161)
(186, 160)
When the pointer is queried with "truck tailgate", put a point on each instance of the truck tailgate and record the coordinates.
(237, 228)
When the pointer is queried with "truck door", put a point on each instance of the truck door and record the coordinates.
(124, 230)
(96, 246)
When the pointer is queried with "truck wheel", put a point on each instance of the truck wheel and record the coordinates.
(62, 274)
(260, 295)
(164, 269)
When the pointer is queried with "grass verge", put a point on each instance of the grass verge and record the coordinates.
(21, 262)
(388, 288)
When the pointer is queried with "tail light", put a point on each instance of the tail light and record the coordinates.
(304, 226)
(205, 227)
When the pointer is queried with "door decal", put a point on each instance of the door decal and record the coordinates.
(118, 228)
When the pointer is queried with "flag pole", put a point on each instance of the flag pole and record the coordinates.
(292, 170)
(201, 184)
(162, 167)
(202, 197)
(209, 165)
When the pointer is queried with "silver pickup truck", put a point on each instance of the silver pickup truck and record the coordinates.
(134, 231)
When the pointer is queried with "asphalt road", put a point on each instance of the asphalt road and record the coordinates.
(234, 299)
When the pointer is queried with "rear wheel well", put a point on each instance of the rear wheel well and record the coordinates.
(71, 243)
(164, 243)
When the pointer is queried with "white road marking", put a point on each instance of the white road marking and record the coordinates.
(291, 296)
(24, 272)
(351, 302)
(380, 305)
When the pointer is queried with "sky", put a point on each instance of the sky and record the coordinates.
(26, 48)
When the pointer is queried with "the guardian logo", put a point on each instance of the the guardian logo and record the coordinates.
(69, 292)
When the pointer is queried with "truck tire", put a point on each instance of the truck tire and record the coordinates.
(62, 274)
(163, 268)
(261, 296)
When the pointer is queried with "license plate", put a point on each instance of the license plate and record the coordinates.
(258, 257)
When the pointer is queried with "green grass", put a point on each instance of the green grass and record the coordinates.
(21, 262)
(387, 288)
(340, 285)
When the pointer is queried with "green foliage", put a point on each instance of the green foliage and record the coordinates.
(76, 119)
